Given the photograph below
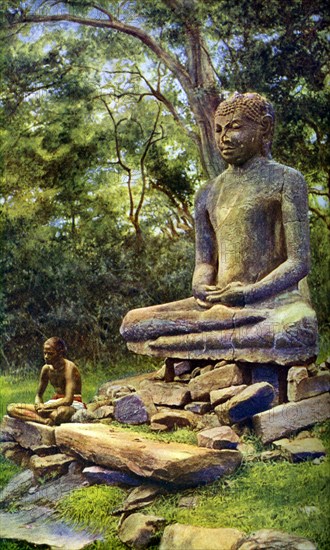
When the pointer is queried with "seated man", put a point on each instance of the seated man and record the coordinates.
(252, 251)
(65, 377)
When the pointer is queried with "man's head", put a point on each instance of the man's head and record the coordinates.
(244, 126)
(54, 350)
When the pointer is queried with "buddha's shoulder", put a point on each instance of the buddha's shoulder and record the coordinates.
(282, 172)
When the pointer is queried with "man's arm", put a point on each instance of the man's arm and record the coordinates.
(43, 383)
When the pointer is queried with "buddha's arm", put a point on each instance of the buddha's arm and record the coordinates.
(296, 265)
(206, 262)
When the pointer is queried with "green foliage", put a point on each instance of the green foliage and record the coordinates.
(92, 508)
(7, 471)
(100, 156)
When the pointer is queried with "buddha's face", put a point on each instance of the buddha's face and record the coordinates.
(238, 137)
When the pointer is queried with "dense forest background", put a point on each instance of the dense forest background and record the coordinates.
(106, 133)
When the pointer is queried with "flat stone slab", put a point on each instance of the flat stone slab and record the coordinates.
(290, 417)
(29, 435)
(189, 537)
(37, 526)
(218, 438)
(301, 449)
(271, 539)
(174, 463)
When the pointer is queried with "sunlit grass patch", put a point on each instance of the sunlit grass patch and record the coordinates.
(92, 508)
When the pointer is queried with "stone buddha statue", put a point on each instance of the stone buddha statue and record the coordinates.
(250, 298)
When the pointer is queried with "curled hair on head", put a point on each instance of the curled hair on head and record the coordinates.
(57, 343)
(254, 106)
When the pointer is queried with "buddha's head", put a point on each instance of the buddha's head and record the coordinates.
(244, 126)
(54, 350)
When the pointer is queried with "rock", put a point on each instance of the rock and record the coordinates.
(175, 463)
(98, 475)
(254, 399)
(269, 539)
(94, 405)
(273, 374)
(49, 467)
(302, 387)
(135, 408)
(139, 530)
(184, 367)
(248, 451)
(16, 454)
(106, 411)
(83, 416)
(184, 537)
(271, 456)
(109, 389)
(208, 421)
(17, 487)
(290, 417)
(301, 449)
(172, 395)
(218, 438)
(50, 492)
(220, 396)
(173, 419)
(29, 435)
(201, 386)
(38, 527)
(198, 407)
(140, 497)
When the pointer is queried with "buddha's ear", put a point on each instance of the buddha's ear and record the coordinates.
(267, 125)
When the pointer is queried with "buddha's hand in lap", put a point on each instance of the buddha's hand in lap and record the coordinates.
(232, 295)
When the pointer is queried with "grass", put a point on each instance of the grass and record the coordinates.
(289, 497)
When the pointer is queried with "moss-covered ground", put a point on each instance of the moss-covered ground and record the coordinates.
(279, 495)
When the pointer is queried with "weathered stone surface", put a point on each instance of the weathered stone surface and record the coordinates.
(28, 434)
(140, 497)
(110, 388)
(17, 486)
(220, 396)
(84, 416)
(173, 395)
(97, 474)
(303, 387)
(269, 539)
(139, 530)
(208, 421)
(254, 399)
(172, 419)
(135, 408)
(218, 438)
(301, 449)
(37, 526)
(16, 454)
(201, 386)
(50, 466)
(271, 374)
(99, 402)
(183, 465)
(106, 411)
(184, 537)
(285, 419)
(272, 456)
(52, 491)
(183, 367)
(198, 407)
